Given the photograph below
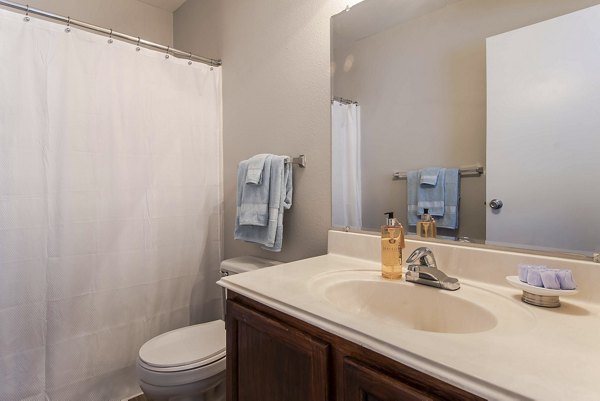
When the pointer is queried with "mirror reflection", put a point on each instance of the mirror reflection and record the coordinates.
(478, 113)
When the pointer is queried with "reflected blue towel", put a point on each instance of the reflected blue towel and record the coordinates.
(431, 196)
(412, 183)
(451, 199)
(280, 190)
(254, 207)
(429, 176)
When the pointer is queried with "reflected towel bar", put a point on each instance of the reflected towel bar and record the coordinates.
(472, 171)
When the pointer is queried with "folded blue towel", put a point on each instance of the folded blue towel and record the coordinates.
(412, 183)
(431, 196)
(451, 199)
(256, 164)
(280, 190)
(429, 176)
(254, 207)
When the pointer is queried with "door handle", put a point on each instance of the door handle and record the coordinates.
(496, 204)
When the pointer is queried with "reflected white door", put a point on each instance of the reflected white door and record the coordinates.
(543, 134)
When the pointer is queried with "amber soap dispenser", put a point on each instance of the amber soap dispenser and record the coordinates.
(392, 242)
(426, 228)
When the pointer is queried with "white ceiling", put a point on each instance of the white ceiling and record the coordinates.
(168, 5)
(373, 16)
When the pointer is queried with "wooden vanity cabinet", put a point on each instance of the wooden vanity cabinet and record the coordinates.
(272, 356)
(362, 383)
(272, 361)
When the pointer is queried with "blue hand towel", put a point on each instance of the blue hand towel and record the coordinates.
(412, 184)
(429, 176)
(431, 196)
(256, 165)
(254, 207)
(451, 199)
(280, 198)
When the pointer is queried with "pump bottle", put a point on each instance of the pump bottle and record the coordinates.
(426, 228)
(392, 243)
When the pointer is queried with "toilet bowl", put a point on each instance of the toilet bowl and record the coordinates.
(188, 364)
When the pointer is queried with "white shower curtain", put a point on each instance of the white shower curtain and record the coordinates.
(110, 207)
(345, 165)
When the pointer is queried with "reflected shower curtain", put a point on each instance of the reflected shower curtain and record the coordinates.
(110, 207)
(345, 165)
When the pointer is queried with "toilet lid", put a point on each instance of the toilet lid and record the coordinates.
(196, 345)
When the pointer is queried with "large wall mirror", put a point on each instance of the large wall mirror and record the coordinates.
(504, 93)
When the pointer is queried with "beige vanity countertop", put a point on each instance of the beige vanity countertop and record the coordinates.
(556, 355)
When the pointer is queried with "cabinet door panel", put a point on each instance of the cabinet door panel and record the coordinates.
(270, 361)
(362, 383)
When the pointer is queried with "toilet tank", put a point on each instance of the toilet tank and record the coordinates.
(243, 264)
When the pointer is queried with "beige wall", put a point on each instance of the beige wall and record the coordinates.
(128, 16)
(197, 28)
(422, 90)
(276, 93)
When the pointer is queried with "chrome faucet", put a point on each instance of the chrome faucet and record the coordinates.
(422, 269)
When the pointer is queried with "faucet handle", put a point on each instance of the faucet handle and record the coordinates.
(425, 257)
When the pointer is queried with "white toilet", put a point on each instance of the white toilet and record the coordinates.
(188, 364)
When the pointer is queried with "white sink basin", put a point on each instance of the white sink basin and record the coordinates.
(414, 306)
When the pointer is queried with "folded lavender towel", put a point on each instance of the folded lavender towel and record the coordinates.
(534, 277)
(523, 269)
(565, 279)
(550, 279)
(541, 276)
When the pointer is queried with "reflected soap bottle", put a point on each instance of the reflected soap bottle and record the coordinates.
(392, 242)
(426, 228)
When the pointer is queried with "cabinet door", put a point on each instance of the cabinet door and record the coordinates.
(270, 361)
(362, 383)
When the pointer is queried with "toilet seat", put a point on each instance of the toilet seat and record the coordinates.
(182, 356)
(210, 373)
(185, 348)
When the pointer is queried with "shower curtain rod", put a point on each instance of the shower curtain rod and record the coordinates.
(109, 32)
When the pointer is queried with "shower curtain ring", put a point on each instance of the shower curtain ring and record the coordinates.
(167, 54)
(110, 37)
(138, 48)
(190, 59)
(68, 28)
(26, 18)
